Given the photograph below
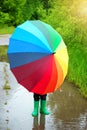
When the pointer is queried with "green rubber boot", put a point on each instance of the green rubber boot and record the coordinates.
(43, 108)
(35, 111)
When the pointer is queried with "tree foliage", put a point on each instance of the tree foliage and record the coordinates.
(11, 11)
(14, 12)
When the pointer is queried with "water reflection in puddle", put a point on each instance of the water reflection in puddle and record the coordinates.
(68, 108)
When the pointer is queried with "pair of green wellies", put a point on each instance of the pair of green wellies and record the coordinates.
(43, 108)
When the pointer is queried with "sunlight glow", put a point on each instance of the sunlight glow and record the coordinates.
(82, 9)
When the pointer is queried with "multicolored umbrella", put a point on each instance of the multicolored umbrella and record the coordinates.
(38, 57)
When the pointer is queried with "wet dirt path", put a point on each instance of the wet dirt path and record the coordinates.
(68, 108)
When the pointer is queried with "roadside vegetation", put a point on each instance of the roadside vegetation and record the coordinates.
(5, 29)
(3, 53)
(69, 18)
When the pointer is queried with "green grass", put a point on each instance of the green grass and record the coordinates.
(4, 29)
(3, 53)
(77, 72)
(6, 84)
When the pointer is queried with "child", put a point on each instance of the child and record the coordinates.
(43, 108)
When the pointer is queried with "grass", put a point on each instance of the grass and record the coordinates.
(78, 68)
(6, 85)
(4, 29)
(3, 53)
(3, 58)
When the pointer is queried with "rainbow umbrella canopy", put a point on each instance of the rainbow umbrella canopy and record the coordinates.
(38, 57)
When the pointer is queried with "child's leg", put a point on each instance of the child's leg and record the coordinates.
(43, 108)
(36, 104)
